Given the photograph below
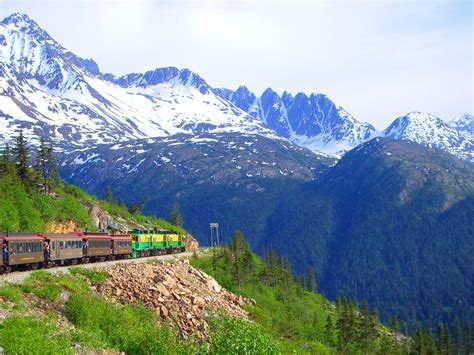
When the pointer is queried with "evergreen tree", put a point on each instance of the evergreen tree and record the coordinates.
(176, 218)
(21, 159)
(468, 348)
(367, 331)
(7, 166)
(328, 331)
(419, 346)
(312, 281)
(447, 341)
(109, 196)
(441, 346)
(458, 343)
(394, 324)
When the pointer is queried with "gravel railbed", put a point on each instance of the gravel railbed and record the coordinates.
(20, 276)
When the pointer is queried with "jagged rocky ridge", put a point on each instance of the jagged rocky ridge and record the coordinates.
(317, 123)
(313, 121)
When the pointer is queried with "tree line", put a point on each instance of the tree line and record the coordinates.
(37, 172)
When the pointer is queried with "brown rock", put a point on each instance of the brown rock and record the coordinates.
(164, 312)
(199, 301)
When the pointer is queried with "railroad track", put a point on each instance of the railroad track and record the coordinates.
(20, 276)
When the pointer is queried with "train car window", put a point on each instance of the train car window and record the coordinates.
(61, 245)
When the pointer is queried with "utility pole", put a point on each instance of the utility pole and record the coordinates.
(216, 227)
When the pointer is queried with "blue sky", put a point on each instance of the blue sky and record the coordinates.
(377, 59)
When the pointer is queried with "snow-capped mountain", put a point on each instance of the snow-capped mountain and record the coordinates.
(432, 131)
(465, 123)
(47, 90)
(313, 121)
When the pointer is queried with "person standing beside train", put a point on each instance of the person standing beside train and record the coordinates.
(5, 253)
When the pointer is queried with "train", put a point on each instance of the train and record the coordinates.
(29, 251)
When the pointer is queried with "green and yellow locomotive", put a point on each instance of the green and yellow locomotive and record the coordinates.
(147, 242)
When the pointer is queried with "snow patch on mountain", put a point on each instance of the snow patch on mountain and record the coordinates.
(47, 90)
(432, 131)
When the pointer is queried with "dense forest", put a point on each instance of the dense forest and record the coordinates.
(396, 229)
(292, 311)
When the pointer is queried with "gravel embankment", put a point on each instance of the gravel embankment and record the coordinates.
(20, 276)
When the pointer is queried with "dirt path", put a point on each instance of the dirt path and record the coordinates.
(20, 276)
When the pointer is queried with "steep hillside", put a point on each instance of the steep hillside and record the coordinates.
(392, 222)
(231, 178)
(37, 200)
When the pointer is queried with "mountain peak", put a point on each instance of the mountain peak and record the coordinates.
(18, 18)
(465, 123)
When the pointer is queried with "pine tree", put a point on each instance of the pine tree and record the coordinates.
(21, 159)
(458, 343)
(109, 196)
(367, 331)
(440, 337)
(7, 166)
(419, 346)
(312, 281)
(468, 348)
(447, 341)
(329, 330)
(176, 217)
(394, 323)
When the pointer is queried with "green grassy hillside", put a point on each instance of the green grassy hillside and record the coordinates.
(36, 199)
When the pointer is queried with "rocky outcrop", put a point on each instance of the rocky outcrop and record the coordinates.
(102, 219)
(177, 292)
(190, 244)
(66, 227)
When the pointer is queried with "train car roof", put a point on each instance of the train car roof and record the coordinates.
(121, 237)
(61, 236)
(20, 236)
(96, 236)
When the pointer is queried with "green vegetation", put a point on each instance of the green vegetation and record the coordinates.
(237, 336)
(94, 276)
(101, 324)
(290, 311)
(34, 197)
(32, 335)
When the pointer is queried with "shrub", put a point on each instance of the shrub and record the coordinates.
(30, 335)
(94, 276)
(132, 329)
(41, 284)
(237, 336)
(12, 293)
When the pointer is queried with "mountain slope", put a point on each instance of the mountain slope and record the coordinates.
(67, 97)
(314, 122)
(232, 178)
(465, 123)
(393, 223)
(434, 132)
